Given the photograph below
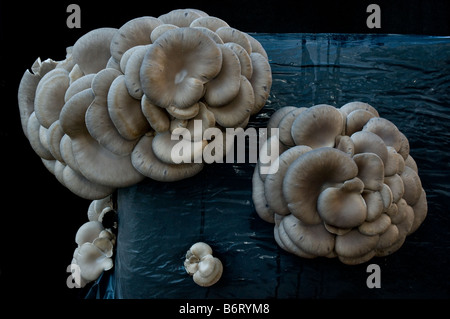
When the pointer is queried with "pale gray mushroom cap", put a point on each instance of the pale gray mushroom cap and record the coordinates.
(145, 161)
(318, 126)
(134, 32)
(168, 79)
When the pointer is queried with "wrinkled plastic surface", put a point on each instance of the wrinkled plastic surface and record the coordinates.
(406, 78)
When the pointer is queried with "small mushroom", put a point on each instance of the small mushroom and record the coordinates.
(199, 263)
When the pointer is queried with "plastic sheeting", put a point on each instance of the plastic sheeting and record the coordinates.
(406, 78)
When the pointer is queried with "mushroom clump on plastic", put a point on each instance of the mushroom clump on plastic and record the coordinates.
(102, 118)
(344, 184)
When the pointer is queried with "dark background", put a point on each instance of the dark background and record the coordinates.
(39, 216)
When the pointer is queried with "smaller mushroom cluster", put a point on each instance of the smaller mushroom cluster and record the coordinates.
(103, 118)
(95, 241)
(344, 184)
(205, 269)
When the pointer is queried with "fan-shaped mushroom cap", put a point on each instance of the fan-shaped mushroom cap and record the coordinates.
(343, 206)
(49, 98)
(145, 161)
(386, 130)
(285, 126)
(275, 118)
(181, 17)
(374, 203)
(412, 186)
(256, 46)
(92, 51)
(209, 22)
(170, 79)
(184, 114)
(378, 226)
(159, 30)
(125, 111)
(225, 86)
(395, 183)
(368, 142)
(134, 32)
(200, 263)
(356, 105)
(370, 170)
(80, 84)
(285, 242)
(273, 184)
(318, 126)
(235, 112)
(353, 247)
(312, 239)
(244, 59)
(356, 120)
(308, 174)
(228, 34)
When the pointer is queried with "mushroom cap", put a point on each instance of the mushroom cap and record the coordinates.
(235, 112)
(134, 32)
(368, 142)
(244, 59)
(132, 72)
(225, 86)
(356, 120)
(92, 261)
(370, 170)
(209, 271)
(386, 130)
(33, 128)
(181, 17)
(229, 34)
(285, 126)
(145, 161)
(343, 206)
(318, 126)
(308, 174)
(312, 239)
(49, 98)
(92, 51)
(412, 186)
(209, 22)
(357, 105)
(355, 244)
(170, 79)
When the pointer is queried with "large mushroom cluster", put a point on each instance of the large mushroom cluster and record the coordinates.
(102, 118)
(344, 184)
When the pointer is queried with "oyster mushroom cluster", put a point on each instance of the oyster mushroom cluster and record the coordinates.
(344, 184)
(205, 269)
(95, 244)
(102, 118)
